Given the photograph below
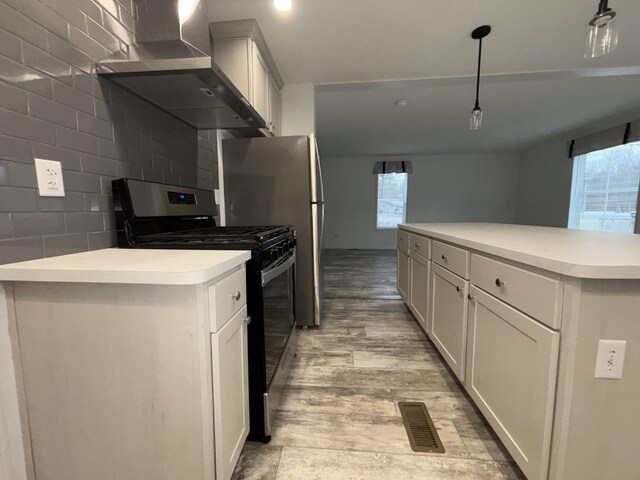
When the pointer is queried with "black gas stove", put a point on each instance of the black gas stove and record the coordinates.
(153, 215)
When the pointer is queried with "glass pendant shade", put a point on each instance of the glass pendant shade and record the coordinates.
(602, 35)
(475, 121)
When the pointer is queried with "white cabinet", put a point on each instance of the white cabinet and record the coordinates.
(260, 83)
(240, 50)
(403, 274)
(275, 109)
(511, 376)
(419, 287)
(447, 323)
(230, 392)
(145, 381)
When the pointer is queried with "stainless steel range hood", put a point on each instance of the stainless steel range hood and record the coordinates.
(171, 67)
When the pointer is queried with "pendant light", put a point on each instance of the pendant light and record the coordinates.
(602, 35)
(475, 122)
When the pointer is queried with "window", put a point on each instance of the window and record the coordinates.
(392, 200)
(604, 193)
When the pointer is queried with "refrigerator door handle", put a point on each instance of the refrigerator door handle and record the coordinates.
(316, 239)
(321, 229)
(317, 185)
(321, 197)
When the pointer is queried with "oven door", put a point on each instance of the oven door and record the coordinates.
(279, 320)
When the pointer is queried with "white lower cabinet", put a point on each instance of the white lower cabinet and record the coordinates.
(511, 376)
(403, 274)
(448, 317)
(419, 270)
(230, 392)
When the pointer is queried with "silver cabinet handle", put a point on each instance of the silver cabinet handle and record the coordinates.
(236, 296)
(417, 245)
(470, 297)
(499, 283)
(247, 320)
(458, 289)
(444, 257)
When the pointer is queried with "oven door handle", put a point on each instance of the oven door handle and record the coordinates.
(268, 275)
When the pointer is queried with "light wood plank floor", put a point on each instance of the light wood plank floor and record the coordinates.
(339, 419)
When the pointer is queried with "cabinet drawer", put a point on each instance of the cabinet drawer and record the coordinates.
(226, 298)
(403, 239)
(452, 258)
(421, 245)
(536, 295)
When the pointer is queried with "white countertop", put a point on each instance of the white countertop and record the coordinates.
(575, 253)
(142, 266)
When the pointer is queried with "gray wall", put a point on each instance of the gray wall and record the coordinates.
(52, 107)
(442, 188)
(546, 171)
(544, 185)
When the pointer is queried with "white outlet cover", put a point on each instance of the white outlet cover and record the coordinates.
(216, 193)
(610, 359)
(49, 174)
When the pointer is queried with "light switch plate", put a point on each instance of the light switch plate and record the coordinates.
(50, 182)
(610, 359)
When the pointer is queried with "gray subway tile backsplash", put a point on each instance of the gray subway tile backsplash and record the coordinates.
(13, 98)
(83, 222)
(14, 199)
(95, 126)
(42, 61)
(53, 107)
(15, 174)
(37, 223)
(24, 77)
(72, 97)
(81, 182)
(21, 249)
(10, 46)
(65, 244)
(29, 128)
(75, 140)
(45, 109)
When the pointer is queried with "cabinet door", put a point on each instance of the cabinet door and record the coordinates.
(403, 275)
(448, 317)
(419, 288)
(230, 393)
(511, 376)
(234, 57)
(260, 84)
(274, 108)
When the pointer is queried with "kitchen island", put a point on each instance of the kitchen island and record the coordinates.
(518, 313)
(129, 363)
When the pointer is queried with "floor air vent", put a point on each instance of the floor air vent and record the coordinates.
(422, 434)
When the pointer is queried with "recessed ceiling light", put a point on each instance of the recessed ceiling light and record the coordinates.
(282, 5)
(402, 103)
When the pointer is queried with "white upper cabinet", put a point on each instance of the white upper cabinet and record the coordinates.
(260, 83)
(241, 51)
(275, 108)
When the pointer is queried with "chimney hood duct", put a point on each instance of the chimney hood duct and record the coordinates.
(171, 67)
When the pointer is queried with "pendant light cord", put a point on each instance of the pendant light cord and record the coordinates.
(478, 76)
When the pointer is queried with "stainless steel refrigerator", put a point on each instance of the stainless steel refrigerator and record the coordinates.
(278, 181)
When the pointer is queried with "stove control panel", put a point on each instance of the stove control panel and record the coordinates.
(177, 198)
(278, 251)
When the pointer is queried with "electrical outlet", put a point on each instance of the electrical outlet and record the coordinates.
(216, 194)
(610, 359)
(49, 173)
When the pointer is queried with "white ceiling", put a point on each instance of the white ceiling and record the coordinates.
(341, 42)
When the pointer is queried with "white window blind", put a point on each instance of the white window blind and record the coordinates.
(604, 192)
